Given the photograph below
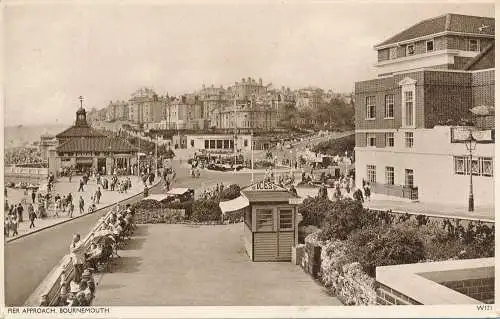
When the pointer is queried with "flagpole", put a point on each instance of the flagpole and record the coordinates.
(156, 155)
(235, 135)
(251, 146)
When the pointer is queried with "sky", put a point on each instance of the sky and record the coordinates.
(57, 51)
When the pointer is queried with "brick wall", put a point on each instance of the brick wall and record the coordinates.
(448, 95)
(479, 289)
(360, 139)
(311, 260)
(389, 296)
(456, 42)
(380, 140)
(460, 62)
(380, 88)
(483, 88)
(487, 61)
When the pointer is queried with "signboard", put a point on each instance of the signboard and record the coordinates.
(264, 186)
(461, 134)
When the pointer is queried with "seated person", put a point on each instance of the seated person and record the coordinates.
(86, 291)
(93, 255)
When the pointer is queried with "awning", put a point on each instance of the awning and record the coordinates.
(234, 204)
(177, 191)
(157, 197)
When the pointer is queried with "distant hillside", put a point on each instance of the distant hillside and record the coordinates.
(16, 136)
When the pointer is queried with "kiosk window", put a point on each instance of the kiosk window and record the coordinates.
(286, 219)
(264, 219)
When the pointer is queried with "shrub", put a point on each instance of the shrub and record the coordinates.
(346, 216)
(314, 210)
(381, 246)
(205, 210)
(230, 192)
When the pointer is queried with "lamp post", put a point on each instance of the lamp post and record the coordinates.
(470, 145)
(251, 146)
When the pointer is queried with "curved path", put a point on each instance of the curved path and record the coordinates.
(30, 258)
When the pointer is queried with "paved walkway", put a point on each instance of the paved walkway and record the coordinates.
(379, 201)
(63, 187)
(181, 265)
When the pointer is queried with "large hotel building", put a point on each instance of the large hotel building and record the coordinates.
(412, 120)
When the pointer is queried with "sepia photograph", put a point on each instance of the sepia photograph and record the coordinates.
(336, 156)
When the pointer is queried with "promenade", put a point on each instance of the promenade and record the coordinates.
(63, 187)
(384, 202)
(186, 265)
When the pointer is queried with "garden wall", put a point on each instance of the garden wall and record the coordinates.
(347, 281)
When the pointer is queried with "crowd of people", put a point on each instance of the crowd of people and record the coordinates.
(22, 155)
(94, 256)
(345, 187)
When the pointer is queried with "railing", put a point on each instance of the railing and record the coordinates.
(26, 170)
(410, 192)
(47, 293)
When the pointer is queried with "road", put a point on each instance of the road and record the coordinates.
(29, 259)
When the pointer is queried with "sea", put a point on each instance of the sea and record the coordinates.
(22, 135)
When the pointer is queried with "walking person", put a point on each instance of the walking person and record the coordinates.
(70, 174)
(20, 211)
(76, 250)
(71, 208)
(98, 195)
(13, 224)
(367, 191)
(31, 216)
(33, 196)
(82, 205)
(82, 182)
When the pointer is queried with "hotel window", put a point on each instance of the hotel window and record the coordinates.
(389, 139)
(474, 45)
(206, 144)
(212, 143)
(370, 107)
(409, 139)
(389, 175)
(286, 219)
(219, 144)
(371, 140)
(480, 166)
(409, 105)
(226, 143)
(429, 45)
(389, 106)
(245, 143)
(460, 165)
(264, 220)
(409, 177)
(410, 49)
(486, 166)
(371, 173)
